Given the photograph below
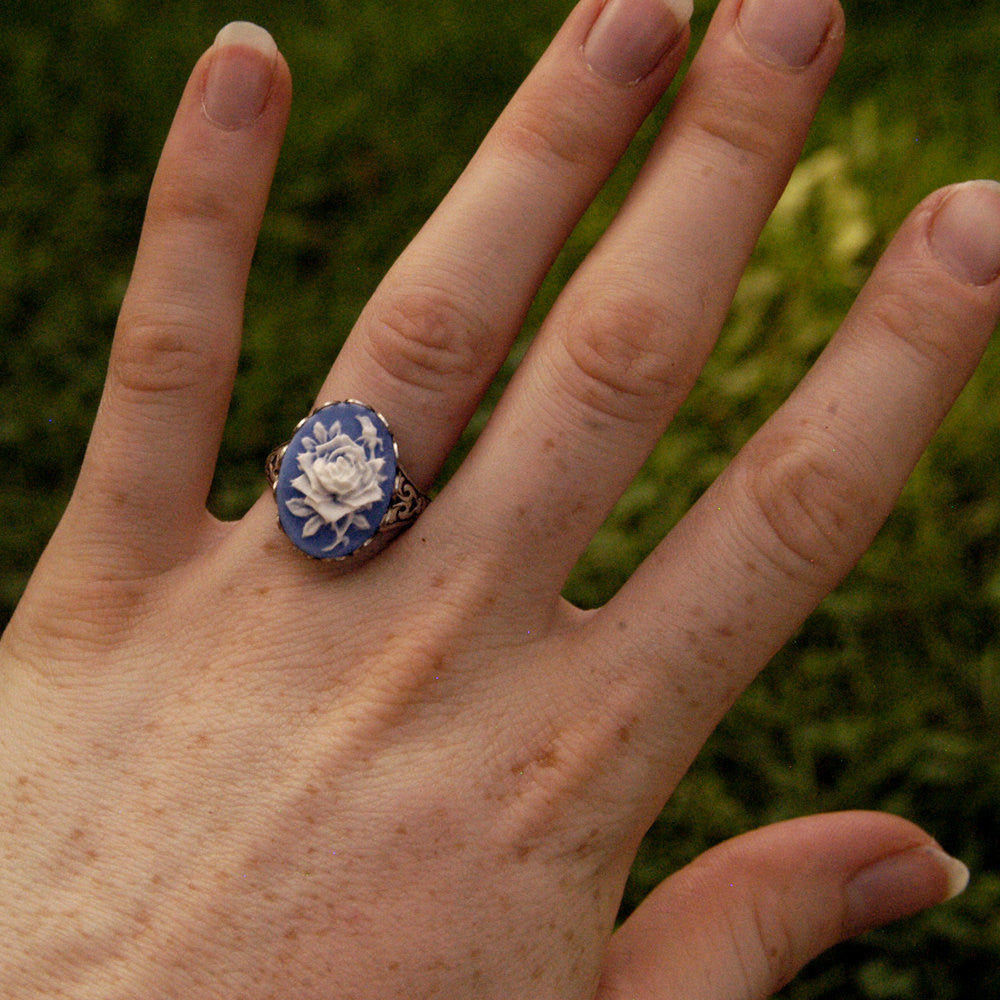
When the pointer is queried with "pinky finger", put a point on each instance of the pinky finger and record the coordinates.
(152, 453)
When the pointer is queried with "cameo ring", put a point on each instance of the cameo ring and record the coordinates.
(338, 484)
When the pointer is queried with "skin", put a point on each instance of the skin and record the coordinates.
(209, 786)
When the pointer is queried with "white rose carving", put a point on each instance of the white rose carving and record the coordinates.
(341, 479)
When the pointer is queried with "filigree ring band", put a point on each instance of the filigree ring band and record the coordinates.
(338, 485)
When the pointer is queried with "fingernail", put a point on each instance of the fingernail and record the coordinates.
(785, 32)
(239, 78)
(965, 232)
(902, 885)
(630, 37)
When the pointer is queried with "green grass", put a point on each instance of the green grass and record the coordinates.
(889, 697)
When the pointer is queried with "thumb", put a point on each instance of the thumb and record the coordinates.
(741, 920)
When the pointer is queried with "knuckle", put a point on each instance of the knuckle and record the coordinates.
(424, 337)
(899, 316)
(193, 199)
(621, 357)
(539, 132)
(732, 124)
(90, 609)
(774, 943)
(163, 358)
(809, 500)
(766, 933)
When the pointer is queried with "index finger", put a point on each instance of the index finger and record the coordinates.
(804, 498)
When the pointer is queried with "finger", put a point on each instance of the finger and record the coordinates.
(625, 341)
(152, 453)
(804, 498)
(740, 921)
(444, 318)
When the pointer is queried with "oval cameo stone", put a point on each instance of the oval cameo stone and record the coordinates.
(336, 480)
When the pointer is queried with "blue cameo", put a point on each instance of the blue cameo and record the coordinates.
(336, 480)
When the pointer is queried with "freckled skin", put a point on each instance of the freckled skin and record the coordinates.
(227, 773)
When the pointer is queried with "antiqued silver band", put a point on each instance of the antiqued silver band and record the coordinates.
(338, 485)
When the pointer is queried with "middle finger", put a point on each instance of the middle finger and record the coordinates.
(623, 345)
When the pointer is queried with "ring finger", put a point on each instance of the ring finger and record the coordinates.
(443, 319)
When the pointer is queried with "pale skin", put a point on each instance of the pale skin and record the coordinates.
(227, 772)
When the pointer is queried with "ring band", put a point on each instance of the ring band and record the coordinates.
(338, 484)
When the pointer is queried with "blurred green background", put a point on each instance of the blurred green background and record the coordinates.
(889, 698)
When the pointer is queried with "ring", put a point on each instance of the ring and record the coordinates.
(338, 483)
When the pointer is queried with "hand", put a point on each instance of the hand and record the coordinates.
(227, 771)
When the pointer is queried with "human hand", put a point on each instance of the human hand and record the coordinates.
(227, 771)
